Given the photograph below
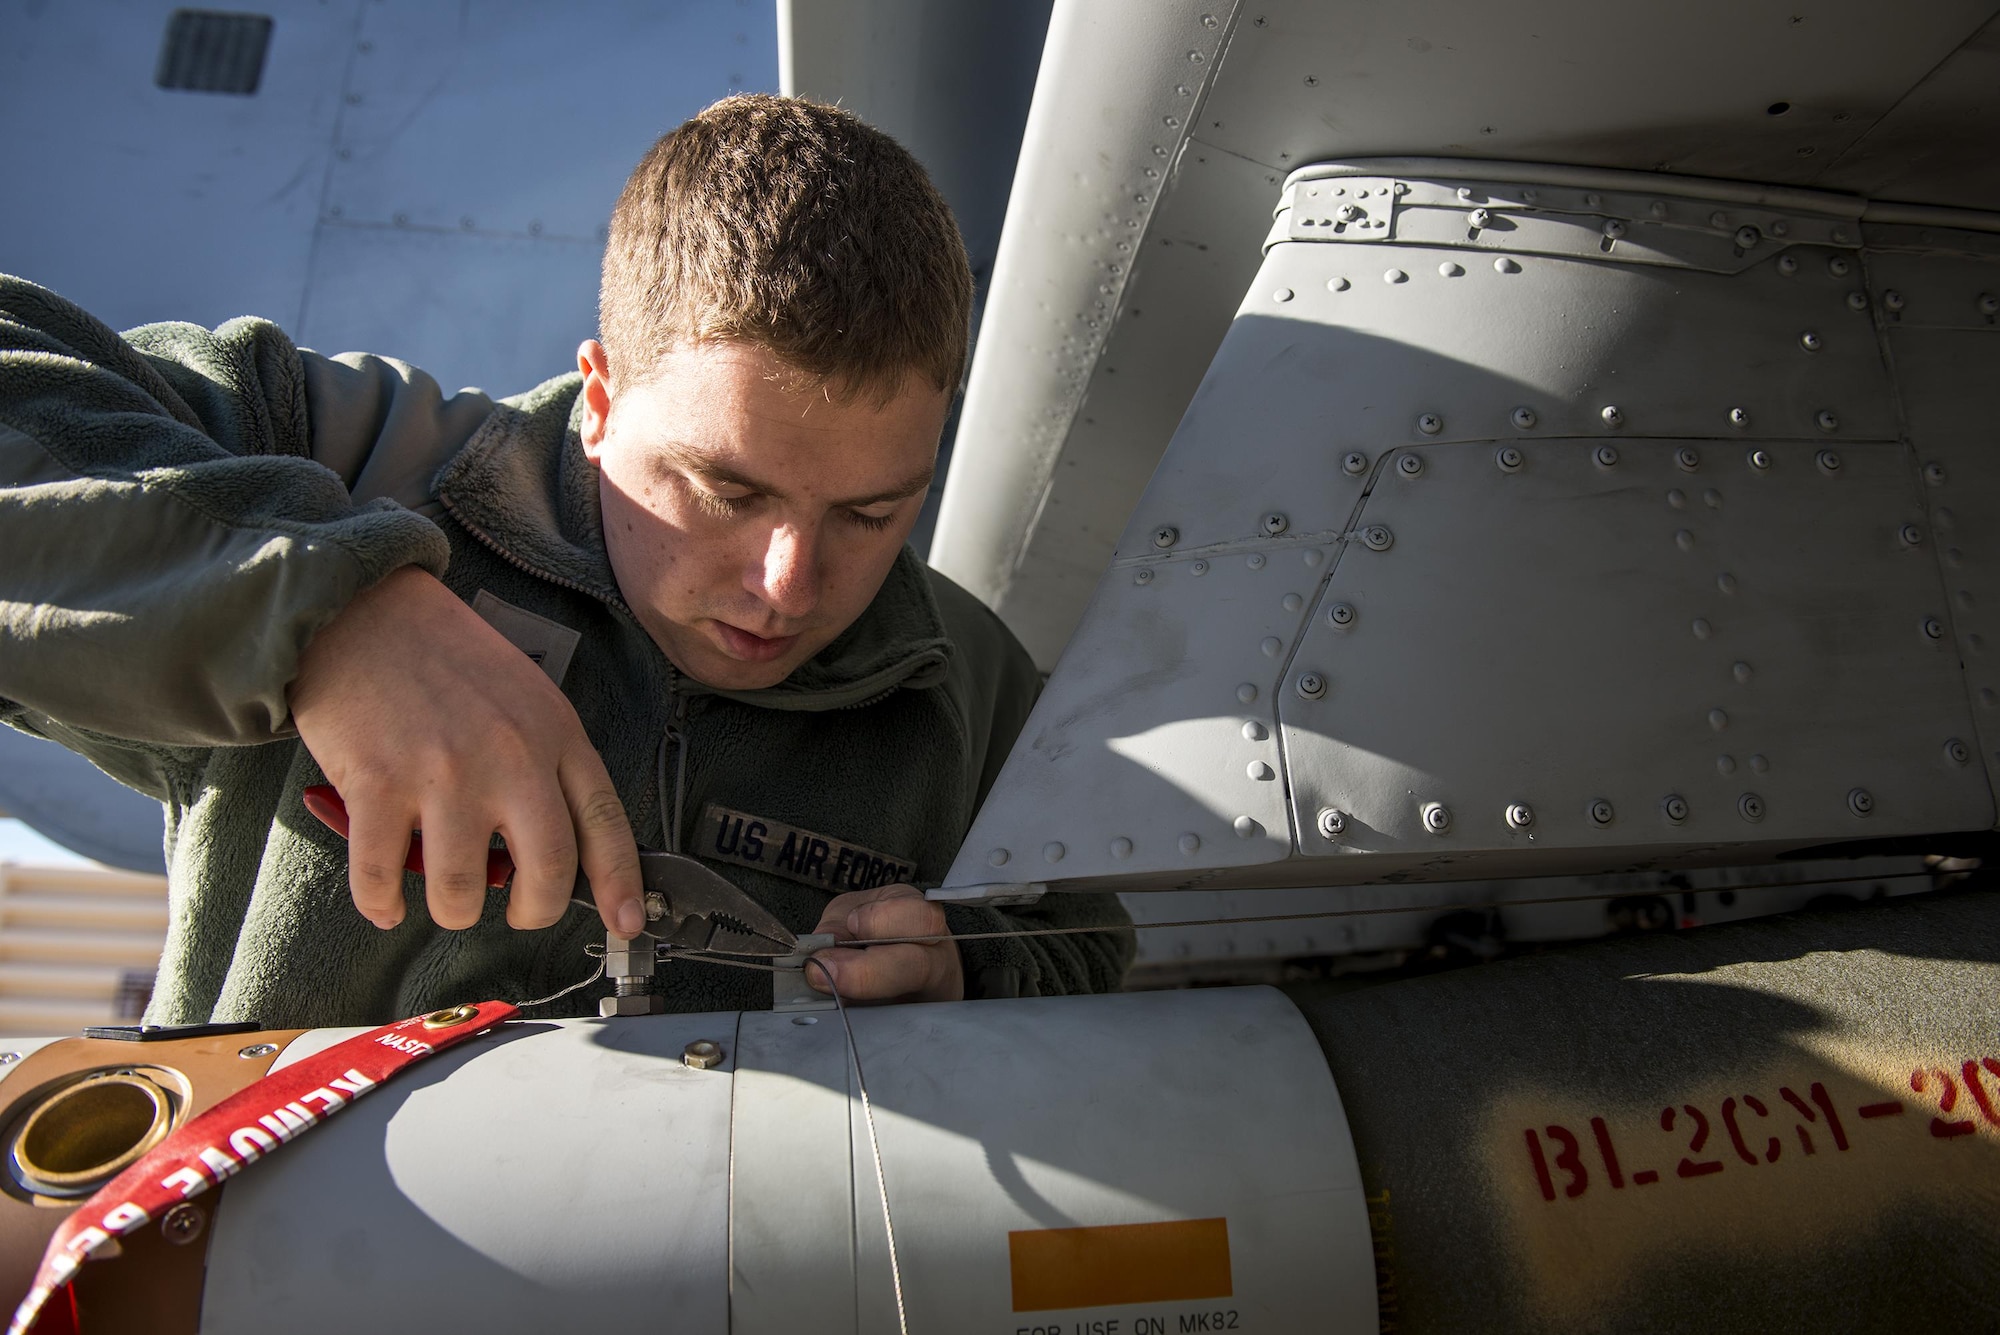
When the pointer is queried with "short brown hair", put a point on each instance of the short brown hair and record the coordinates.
(794, 226)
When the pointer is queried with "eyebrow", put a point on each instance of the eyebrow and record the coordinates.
(711, 469)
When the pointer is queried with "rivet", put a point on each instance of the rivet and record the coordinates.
(1989, 304)
(1253, 731)
(1291, 602)
(1312, 556)
(1282, 294)
(1450, 270)
(1464, 194)
(1933, 628)
(1658, 208)
(1437, 817)
(1400, 188)
(1718, 719)
(1198, 568)
(1809, 341)
(1827, 421)
(1860, 801)
(1246, 828)
(1840, 234)
(1430, 424)
(1337, 285)
(1787, 265)
(1410, 465)
(1612, 417)
(1725, 764)
(1377, 538)
(1530, 195)
(1190, 843)
(1702, 630)
(1857, 301)
(1520, 815)
(1208, 20)
(1747, 237)
(1260, 771)
(1741, 671)
(1354, 464)
(1674, 807)
(1718, 219)
(1677, 498)
(1688, 458)
(1712, 498)
(1255, 560)
(701, 1055)
(1606, 456)
(1246, 693)
(1600, 811)
(1271, 646)
(1273, 523)
(1592, 199)
(1506, 265)
(997, 858)
(1759, 765)
(1750, 807)
(1143, 577)
(1957, 752)
(1524, 418)
(1911, 535)
(1509, 459)
(1053, 851)
(1340, 614)
(1739, 417)
(1312, 686)
(1838, 266)
(1828, 461)
(1166, 536)
(1779, 227)
(1892, 299)
(1332, 823)
(1478, 218)
(1934, 473)
(1760, 460)
(1614, 228)
(1121, 847)
(184, 1223)
(1395, 276)
(1684, 540)
(251, 1053)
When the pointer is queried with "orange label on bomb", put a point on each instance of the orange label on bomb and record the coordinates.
(1177, 1261)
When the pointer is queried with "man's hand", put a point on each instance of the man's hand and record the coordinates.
(424, 717)
(889, 973)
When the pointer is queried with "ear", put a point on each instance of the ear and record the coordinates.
(596, 367)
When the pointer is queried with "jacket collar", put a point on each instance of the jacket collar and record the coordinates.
(522, 487)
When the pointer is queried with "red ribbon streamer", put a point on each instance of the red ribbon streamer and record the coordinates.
(243, 1128)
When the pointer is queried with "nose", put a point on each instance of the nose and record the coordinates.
(789, 580)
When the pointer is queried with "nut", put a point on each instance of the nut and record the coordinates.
(656, 905)
(702, 1054)
(645, 1003)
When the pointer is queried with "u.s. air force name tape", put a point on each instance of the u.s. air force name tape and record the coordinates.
(796, 854)
(240, 1130)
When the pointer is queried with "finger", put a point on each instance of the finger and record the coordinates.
(455, 844)
(542, 842)
(879, 973)
(378, 839)
(605, 846)
(839, 910)
(901, 916)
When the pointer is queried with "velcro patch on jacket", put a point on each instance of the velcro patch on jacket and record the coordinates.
(549, 643)
(834, 865)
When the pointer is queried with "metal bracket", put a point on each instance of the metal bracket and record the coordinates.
(990, 895)
(789, 989)
(1352, 208)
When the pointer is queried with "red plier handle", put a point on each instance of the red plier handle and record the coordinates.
(325, 803)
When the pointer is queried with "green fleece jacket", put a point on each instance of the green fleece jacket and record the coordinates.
(182, 509)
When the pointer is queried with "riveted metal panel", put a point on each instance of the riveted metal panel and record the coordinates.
(1722, 654)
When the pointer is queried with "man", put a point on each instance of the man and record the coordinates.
(667, 596)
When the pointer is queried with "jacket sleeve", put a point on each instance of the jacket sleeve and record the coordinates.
(182, 509)
(998, 683)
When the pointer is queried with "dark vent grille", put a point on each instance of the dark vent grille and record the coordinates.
(210, 52)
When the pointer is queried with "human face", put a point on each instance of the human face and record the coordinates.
(750, 521)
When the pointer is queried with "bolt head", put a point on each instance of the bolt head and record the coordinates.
(1478, 218)
(1332, 823)
(703, 1054)
(1747, 237)
(1892, 299)
(1957, 752)
(1809, 341)
(1861, 802)
(1509, 458)
(1410, 465)
(1760, 460)
(1355, 463)
(1675, 808)
(1739, 417)
(1311, 685)
(1750, 807)
(1688, 458)
(1600, 812)
(1606, 456)
(1612, 416)
(1524, 418)
(1828, 461)
(1341, 614)
(1377, 538)
(1430, 424)
(1166, 536)
(1933, 628)
(1274, 523)
(1437, 817)
(1911, 535)
(1520, 815)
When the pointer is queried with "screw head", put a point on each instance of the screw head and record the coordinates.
(1166, 536)
(1857, 301)
(1509, 459)
(1600, 811)
(1957, 752)
(1410, 465)
(1524, 418)
(1612, 417)
(1911, 534)
(1437, 817)
(1810, 341)
(1675, 808)
(1747, 237)
(1838, 266)
(1520, 815)
(1750, 807)
(702, 1054)
(1377, 538)
(1688, 458)
(1354, 464)
(1478, 218)
(1332, 823)
(1614, 228)
(1989, 304)
(1430, 424)
(1826, 420)
(9, 1058)
(1828, 461)
(1739, 417)
(1273, 523)
(184, 1223)
(1787, 265)
(1934, 473)
(1861, 802)
(1143, 577)
(1892, 300)
(256, 1050)
(1341, 614)
(1933, 628)
(1760, 460)
(1311, 685)
(1606, 456)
